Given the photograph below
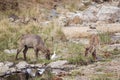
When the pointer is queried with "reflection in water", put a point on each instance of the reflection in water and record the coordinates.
(25, 74)
(16, 76)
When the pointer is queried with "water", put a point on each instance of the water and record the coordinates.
(16, 76)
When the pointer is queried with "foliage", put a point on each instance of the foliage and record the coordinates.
(105, 38)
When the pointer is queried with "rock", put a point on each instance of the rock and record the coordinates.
(3, 69)
(104, 14)
(13, 17)
(1, 64)
(98, 1)
(22, 65)
(108, 14)
(89, 16)
(9, 64)
(25, 20)
(38, 65)
(12, 70)
(81, 6)
(59, 72)
(41, 71)
(53, 14)
(76, 32)
(62, 20)
(111, 47)
(32, 65)
(10, 51)
(7, 51)
(86, 2)
(31, 72)
(13, 50)
(64, 70)
(114, 46)
(117, 34)
(115, 39)
(58, 64)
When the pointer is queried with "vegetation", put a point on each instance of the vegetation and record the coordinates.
(105, 38)
(106, 76)
(51, 33)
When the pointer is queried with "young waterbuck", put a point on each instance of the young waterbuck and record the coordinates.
(32, 41)
(93, 46)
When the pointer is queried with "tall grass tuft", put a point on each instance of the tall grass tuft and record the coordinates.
(105, 38)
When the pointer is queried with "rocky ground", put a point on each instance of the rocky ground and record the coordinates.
(69, 25)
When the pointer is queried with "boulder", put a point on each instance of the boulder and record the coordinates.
(12, 70)
(117, 34)
(31, 72)
(86, 2)
(108, 14)
(10, 51)
(89, 15)
(115, 38)
(111, 47)
(1, 64)
(41, 71)
(98, 1)
(22, 65)
(59, 72)
(3, 69)
(58, 64)
(9, 64)
(38, 65)
(13, 17)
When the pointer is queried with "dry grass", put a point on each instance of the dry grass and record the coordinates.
(10, 33)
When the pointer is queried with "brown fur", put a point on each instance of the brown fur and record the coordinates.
(94, 40)
(92, 48)
(32, 41)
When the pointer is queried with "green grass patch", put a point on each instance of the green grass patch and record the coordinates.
(7, 57)
(79, 60)
(74, 48)
(105, 38)
(115, 52)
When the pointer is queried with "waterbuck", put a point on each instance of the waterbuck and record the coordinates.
(32, 41)
(93, 46)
